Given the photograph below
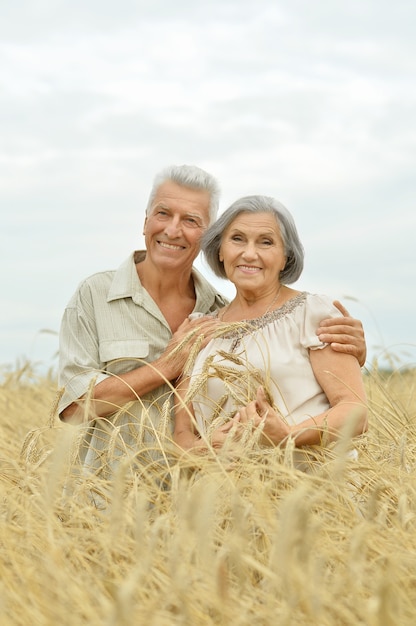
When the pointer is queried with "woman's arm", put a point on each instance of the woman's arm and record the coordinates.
(184, 432)
(340, 378)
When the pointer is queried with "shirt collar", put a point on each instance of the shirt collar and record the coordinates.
(126, 284)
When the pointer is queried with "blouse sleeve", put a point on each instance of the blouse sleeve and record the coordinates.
(317, 308)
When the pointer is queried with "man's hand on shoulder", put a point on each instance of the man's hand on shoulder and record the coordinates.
(344, 334)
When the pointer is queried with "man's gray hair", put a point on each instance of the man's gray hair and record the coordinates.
(188, 176)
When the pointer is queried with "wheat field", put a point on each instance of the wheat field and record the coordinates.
(240, 542)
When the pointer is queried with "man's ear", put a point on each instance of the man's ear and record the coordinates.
(144, 225)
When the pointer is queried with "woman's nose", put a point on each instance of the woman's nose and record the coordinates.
(250, 251)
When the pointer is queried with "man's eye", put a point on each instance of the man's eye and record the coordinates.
(191, 221)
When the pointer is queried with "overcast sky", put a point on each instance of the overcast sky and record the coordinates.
(311, 102)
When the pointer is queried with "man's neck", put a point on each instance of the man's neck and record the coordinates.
(163, 284)
(173, 292)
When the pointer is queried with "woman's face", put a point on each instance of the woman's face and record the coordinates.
(252, 252)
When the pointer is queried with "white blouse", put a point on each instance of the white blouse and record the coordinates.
(273, 351)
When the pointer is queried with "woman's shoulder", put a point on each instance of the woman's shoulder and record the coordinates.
(321, 301)
(307, 304)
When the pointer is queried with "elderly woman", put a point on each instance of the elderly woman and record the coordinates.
(266, 370)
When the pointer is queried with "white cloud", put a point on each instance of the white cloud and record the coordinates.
(311, 103)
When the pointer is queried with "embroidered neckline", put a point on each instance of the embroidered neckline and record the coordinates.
(237, 330)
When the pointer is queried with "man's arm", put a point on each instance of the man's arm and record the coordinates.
(344, 334)
(113, 392)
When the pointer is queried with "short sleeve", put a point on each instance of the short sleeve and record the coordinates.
(317, 308)
(79, 359)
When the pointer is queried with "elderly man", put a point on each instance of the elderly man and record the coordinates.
(120, 329)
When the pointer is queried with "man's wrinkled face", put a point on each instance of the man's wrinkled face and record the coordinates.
(175, 224)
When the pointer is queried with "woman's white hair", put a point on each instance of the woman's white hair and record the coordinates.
(212, 238)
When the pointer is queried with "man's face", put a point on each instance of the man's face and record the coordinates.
(174, 226)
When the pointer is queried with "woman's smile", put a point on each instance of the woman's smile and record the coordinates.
(253, 253)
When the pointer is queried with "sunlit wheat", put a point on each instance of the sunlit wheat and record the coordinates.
(218, 539)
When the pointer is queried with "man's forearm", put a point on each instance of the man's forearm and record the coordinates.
(115, 391)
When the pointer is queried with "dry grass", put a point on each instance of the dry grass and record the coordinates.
(247, 541)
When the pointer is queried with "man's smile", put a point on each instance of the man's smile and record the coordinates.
(170, 246)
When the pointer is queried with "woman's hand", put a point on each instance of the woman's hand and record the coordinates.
(259, 412)
(226, 432)
(255, 414)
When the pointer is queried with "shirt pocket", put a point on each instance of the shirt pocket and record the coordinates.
(121, 356)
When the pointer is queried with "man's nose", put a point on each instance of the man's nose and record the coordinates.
(173, 228)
